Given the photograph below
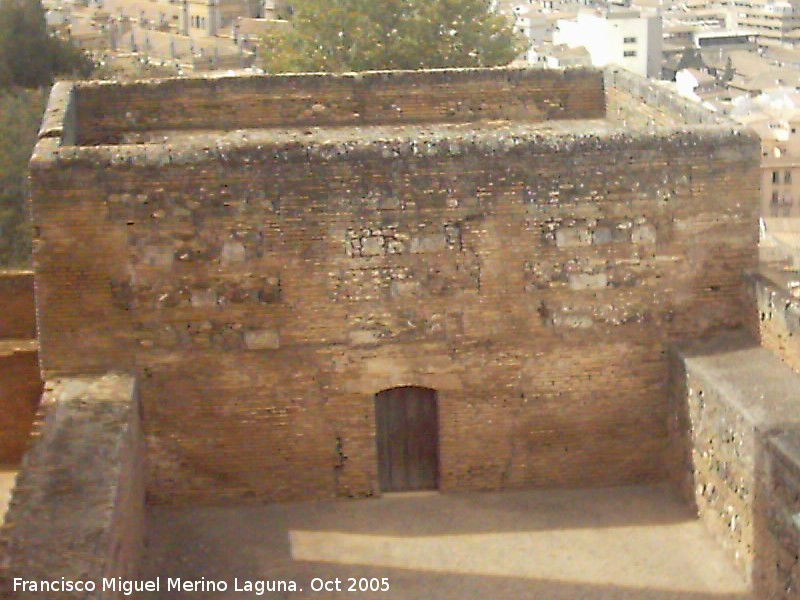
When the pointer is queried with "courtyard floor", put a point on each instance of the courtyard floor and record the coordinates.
(611, 543)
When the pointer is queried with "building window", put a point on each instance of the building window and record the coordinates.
(629, 40)
(629, 53)
(775, 198)
(787, 177)
(776, 177)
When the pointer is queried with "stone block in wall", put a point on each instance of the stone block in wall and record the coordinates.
(432, 242)
(203, 298)
(571, 320)
(404, 287)
(570, 237)
(372, 246)
(587, 281)
(233, 252)
(643, 234)
(262, 339)
(162, 256)
(364, 337)
(602, 235)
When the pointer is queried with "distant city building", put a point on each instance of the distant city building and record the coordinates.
(692, 82)
(530, 23)
(775, 116)
(631, 39)
(775, 23)
(171, 36)
(551, 56)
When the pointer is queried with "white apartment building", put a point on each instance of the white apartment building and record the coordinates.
(775, 22)
(631, 39)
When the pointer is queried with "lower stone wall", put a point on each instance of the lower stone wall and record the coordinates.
(777, 567)
(78, 509)
(777, 296)
(732, 400)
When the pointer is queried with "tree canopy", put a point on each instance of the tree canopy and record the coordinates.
(20, 114)
(29, 56)
(361, 35)
(29, 60)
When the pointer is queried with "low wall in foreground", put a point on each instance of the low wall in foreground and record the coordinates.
(20, 384)
(78, 509)
(735, 427)
(776, 294)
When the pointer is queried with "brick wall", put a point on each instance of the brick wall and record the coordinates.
(20, 389)
(264, 288)
(734, 425)
(77, 510)
(17, 315)
(20, 385)
(108, 112)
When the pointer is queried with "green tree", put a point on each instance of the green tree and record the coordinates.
(20, 115)
(29, 61)
(359, 35)
(29, 56)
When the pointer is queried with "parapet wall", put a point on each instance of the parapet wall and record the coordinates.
(777, 566)
(77, 510)
(107, 111)
(20, 385)
(265, 285)
(776, 294)
(643, 103)
(20, 390)
(735, 427)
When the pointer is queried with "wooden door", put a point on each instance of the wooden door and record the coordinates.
(407, 423)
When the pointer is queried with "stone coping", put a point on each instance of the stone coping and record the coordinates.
(764, 390)
(253, 145)
(784, 282)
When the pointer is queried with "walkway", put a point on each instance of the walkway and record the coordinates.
(634, 542)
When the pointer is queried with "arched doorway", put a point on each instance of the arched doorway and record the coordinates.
(407, 434)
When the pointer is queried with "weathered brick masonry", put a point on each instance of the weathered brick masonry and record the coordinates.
(491, 234)
(18, 317)
(20, 386)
